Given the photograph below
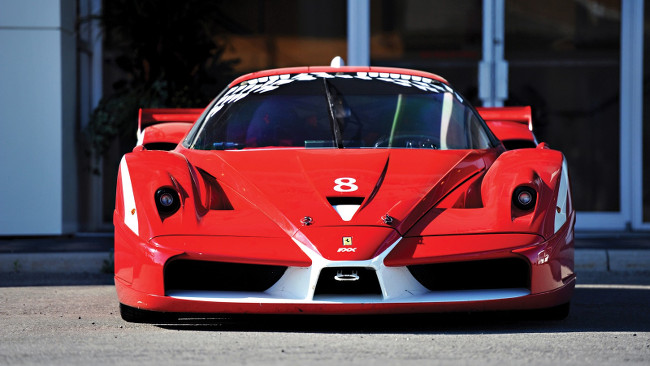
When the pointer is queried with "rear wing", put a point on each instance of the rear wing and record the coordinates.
(164, 128)
(512, 125)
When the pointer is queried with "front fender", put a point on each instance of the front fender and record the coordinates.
(540, 169)
(141, 174)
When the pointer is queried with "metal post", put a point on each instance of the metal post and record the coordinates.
(98, 57)
(493, 69)
(358, 33)
(631, 113)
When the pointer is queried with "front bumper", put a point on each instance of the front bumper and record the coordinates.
(141, 270)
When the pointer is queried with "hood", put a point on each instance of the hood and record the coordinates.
(329, 195)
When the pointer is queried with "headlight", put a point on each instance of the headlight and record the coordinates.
(524, 198)
(167, 201)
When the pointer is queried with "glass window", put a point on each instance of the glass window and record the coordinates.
(263, 34)
(439, 36)
(564, 61)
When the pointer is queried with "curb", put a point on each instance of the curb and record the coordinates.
(61, 262)
(591, 260)
(612, 260)
(629, 260)
(586, 260)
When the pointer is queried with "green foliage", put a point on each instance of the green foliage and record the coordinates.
(169, 53)
(17, 266)
(117, 114)
(108, 264)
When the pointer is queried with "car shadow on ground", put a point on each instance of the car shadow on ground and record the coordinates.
(596, 309)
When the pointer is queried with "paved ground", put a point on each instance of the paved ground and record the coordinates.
(58, 306)
(54, 319)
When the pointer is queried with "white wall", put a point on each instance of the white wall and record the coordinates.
(37, 117)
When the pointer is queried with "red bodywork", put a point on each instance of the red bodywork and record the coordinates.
(248, 207)
(165, 126)
(509, 123)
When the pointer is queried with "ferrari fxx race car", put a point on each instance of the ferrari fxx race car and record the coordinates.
(341, 190)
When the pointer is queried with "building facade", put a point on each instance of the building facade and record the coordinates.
(580, 64)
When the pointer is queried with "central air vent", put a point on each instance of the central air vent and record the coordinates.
(346, 207)
(195, 275)
(348, 281)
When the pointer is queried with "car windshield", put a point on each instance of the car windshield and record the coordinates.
(343, 110)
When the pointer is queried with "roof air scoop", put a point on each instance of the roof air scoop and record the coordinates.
(337, 62)
(346, 207)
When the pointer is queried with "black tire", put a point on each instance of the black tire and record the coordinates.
(559, 312)
(134, 315)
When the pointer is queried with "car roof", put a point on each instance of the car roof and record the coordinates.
(330, 69)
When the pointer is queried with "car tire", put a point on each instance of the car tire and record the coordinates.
(135, 315)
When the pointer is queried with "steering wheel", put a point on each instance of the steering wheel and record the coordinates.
(412, 141)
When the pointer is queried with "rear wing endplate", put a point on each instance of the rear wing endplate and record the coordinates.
(507, 114)
(170, 124)
(152, 116)
(512, 125)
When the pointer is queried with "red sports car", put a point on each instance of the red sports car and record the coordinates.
(341, 190)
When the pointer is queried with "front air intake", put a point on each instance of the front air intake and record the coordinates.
(220, 276)
(499, 273)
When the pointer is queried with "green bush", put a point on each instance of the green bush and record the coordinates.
(169, 55)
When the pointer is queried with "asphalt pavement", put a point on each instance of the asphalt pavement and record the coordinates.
(49, 322)
(93, 253)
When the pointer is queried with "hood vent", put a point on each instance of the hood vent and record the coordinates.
(346, 207)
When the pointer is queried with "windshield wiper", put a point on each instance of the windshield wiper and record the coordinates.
(336, 124)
